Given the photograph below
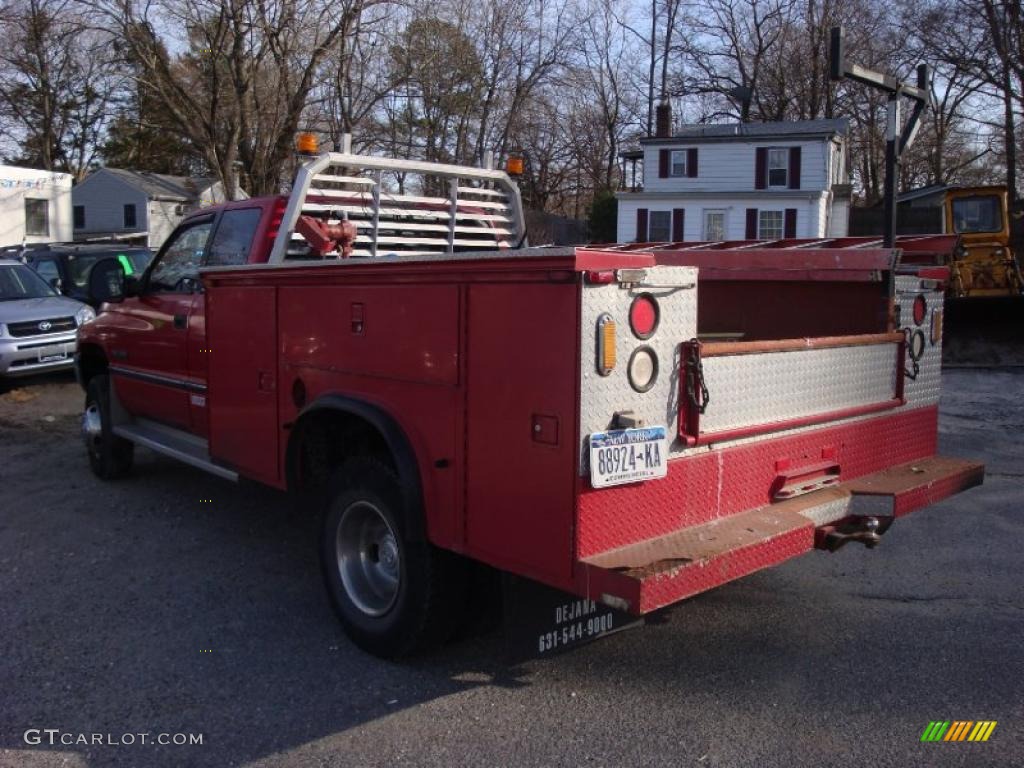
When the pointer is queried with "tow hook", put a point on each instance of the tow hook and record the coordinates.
(867, 530)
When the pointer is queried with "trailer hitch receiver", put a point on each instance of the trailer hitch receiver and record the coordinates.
(867, 530)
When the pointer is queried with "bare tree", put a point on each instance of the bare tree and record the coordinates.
(56, 85)
(241, 90)
(730, 46)
(601, 94)
(986, 42)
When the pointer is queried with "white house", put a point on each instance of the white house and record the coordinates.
(739, 182)
(35, 206)
(138, 206)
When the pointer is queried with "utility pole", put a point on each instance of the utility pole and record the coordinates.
(897, 139)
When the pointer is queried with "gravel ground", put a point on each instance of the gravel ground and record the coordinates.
(174, 602)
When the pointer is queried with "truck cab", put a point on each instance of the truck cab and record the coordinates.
(154, 339)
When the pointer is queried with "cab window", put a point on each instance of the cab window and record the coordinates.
(977, 214)
(177, 265)
(233, 240)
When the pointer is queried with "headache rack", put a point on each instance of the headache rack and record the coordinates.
(404, 207)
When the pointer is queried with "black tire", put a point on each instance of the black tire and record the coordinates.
(419, 609)
(110, 456)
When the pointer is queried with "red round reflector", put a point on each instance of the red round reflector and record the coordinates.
(920, 310)
(643, 316)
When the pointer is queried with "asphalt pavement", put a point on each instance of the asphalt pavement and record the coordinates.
(176, 603)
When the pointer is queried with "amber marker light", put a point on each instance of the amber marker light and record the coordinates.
(605, 344)
(307, 144)
(514, 165)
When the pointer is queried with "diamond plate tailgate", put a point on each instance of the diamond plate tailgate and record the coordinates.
(651, 574)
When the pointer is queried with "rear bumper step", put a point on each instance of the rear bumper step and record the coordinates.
(648, 575)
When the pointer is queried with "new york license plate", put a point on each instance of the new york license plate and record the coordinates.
(627, 456)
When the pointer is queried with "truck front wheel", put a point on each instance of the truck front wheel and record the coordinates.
(393, 591)
(110, 456)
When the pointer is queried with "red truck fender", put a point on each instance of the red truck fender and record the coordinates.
(328, 414)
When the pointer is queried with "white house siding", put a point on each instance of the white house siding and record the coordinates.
(726, 180)
(728, 166)
(164, 216)
(810, 208)
(16, 184)
(839, 224)
(104, 197)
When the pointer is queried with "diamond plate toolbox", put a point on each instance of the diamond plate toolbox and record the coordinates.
(923, 386)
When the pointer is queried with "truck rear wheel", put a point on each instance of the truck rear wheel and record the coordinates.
(393, 591)
(110, 456)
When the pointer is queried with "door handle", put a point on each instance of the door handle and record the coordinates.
(180, 321)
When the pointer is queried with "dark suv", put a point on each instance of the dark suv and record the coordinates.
(66, 268)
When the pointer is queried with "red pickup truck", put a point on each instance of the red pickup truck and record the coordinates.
(630, 424)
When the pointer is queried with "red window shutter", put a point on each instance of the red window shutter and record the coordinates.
(641, 225)
(751, 223)
(691, 163)
(789, 223)
(663, 162)
(761, 168)
(678, 220)
(794, 167)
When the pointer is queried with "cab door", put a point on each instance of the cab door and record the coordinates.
(150, 360)
(230, 246)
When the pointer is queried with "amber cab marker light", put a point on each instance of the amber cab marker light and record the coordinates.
(307, 144)
(514, 165)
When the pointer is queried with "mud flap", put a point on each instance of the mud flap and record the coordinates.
(541, 621)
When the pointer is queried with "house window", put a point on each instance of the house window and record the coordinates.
(79, 214)
(677, 166)
(714, 226)
(661, 227)
(769, 225)
(778, 167)
(37, 216)
(129, 216)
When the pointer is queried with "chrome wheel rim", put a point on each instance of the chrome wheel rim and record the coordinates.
(368, 561)
(92, 428)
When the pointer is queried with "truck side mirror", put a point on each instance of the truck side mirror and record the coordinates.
(57, 284)
(106, 281)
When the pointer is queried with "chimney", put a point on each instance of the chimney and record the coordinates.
(663, 120)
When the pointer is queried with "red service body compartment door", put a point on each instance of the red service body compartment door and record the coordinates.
(241, 333)
(521, 427)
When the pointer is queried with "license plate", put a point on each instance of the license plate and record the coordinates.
(628, 456)
(53, 354)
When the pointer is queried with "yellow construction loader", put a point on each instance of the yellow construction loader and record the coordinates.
(984, 263)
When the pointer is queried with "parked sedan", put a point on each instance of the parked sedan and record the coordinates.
(66, 268)
(37, 325)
